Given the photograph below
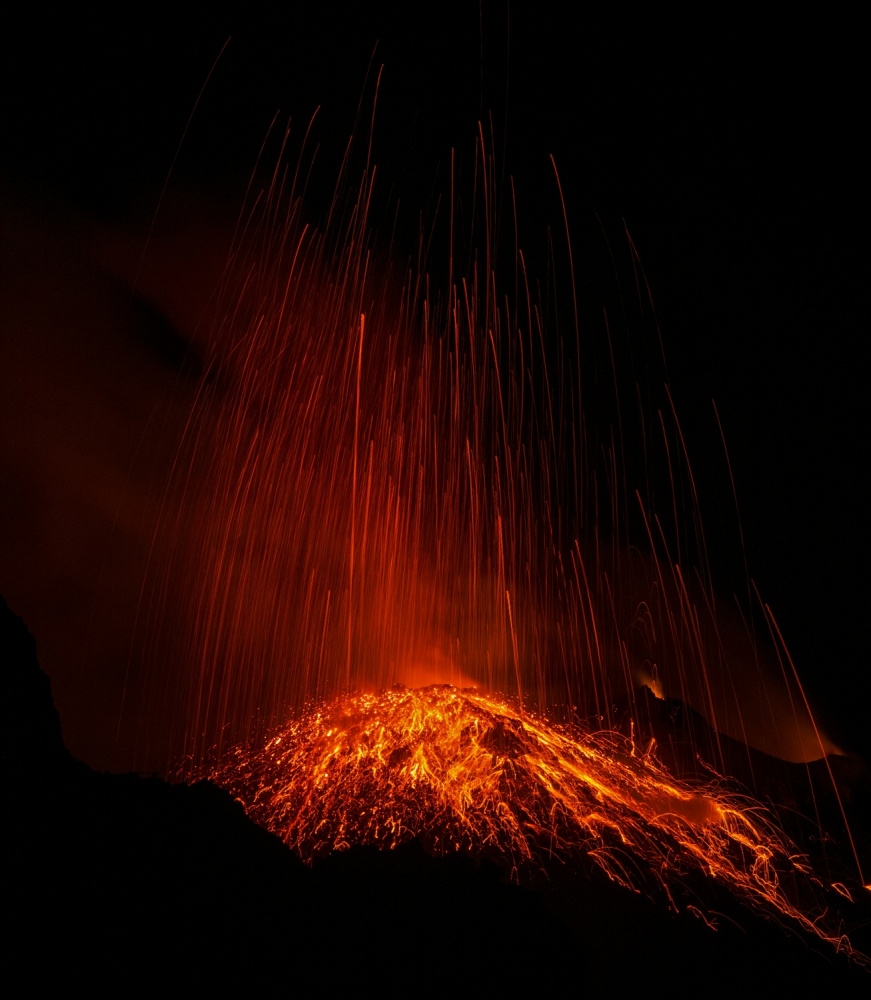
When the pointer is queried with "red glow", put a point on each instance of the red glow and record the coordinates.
(395, 484)
(463, 771)
(384, 482)
(381, 481)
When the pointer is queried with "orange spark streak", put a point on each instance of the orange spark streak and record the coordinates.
(464, 771)
(408, 514)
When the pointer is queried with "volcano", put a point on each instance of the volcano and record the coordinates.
(124, 878)
(559, 833)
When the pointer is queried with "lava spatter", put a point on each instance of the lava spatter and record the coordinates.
(461, 770)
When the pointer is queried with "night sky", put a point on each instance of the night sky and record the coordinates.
(727, 147)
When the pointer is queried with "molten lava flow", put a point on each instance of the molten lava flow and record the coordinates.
(464, 771)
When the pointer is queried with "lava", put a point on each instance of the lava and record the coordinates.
(384, 476)
(388, 482)
(463, 771)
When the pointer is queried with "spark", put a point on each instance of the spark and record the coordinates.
(423, 515)
(464, 771)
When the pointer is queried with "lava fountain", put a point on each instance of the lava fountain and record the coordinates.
(384, 482)
(428, 588)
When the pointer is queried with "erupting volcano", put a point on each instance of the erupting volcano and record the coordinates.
(461, 771)
(403, 490)
(390, 527)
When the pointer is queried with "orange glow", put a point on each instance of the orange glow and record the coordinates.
(464, 771)
(384, 483)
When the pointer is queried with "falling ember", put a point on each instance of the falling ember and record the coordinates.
(380, 483)
(390, 489)
(463, 771)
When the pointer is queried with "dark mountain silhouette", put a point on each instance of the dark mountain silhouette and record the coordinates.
(120, 880)
(730, 150)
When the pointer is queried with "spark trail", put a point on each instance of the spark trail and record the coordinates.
(384, 521)
(463, 771)
(425, 502)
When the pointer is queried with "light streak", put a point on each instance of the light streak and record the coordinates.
(415, 512)
(464, 771)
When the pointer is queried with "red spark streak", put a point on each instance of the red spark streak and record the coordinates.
(463, 771)
(383, 484)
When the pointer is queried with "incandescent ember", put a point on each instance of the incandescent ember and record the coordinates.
(460, 770)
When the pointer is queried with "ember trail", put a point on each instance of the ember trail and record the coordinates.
(463, 771)
(383, 481)
(396, 489)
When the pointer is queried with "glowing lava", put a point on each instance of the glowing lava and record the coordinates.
(463, 771)
(385, 481)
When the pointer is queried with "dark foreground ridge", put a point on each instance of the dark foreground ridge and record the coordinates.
(121, 882)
